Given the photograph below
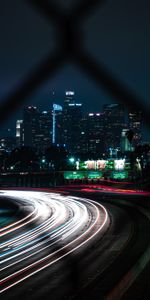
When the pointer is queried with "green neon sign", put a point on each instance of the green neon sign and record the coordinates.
(119, 175)
(95, 175)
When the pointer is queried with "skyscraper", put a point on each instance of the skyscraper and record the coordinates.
(30, 125)
(36, 128)
(57, 124)
(18, 132)
(95, 133)
(43, 137)
(69, 98)
(124, 143)
(114, 122)
(135, 123)
(72, 115)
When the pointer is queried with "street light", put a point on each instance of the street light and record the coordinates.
(71, 160)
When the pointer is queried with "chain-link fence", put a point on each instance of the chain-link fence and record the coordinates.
(69, 48)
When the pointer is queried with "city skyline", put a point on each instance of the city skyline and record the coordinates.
(121, 43)
(75, 149)
(79, 131)
(11, 129)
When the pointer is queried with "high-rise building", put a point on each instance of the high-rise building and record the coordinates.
(43, 136)
(69, 98)
(95, 133)
(114, 122)
(83, 137)
(36, 128)
(57, 130)
(30, 125)
(18, 132)
(135, 124)
(7, 143)
(124, 143)
(72, 115)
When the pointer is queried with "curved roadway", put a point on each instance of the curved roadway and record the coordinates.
(69, 247)
(54, 226)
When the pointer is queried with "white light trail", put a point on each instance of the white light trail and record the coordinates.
(65, 221)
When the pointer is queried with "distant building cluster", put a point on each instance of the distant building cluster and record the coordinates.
(68, 126)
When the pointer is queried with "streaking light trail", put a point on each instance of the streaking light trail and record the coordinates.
(54, 226)
(101, 188)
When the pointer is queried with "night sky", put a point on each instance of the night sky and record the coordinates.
(117, 34)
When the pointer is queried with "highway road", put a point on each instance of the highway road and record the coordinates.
(54, 224)
(73, 245)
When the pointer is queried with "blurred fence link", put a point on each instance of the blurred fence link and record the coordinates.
(69, 47)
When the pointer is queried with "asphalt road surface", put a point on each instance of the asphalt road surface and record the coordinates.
(80, 244)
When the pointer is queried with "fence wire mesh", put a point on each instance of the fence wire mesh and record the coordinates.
(69, 48)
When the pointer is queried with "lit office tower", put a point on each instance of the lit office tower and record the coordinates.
(83, 138)
(57, 138)
(124, 142)
(7, 144)
(30, 125)
(95, 133)
(72, 116)
(135, 123)
(114, 122)
(18, 132)
(43, 138)
(69, 98)
(36, 128)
